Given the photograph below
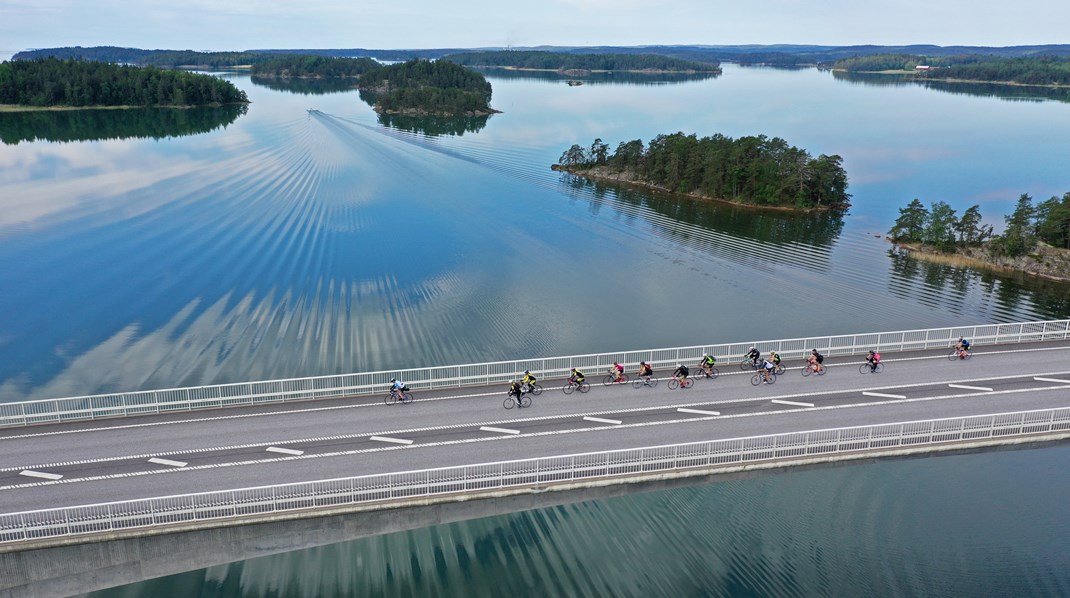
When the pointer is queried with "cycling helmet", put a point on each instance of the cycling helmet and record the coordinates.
(527, 371)
(573, 369)
(642, 363)
(512, 382)
(615, 363)
(679, 366)
(705, 354)
(393, 379)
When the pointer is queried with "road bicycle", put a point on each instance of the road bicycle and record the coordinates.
(866, 368)
(532, 389)
(812, 368)
(641, 381)
(959, 354)
(758, 378)
(511, 401)
(572, 386)
(612, 378)
(778, 369)
(702, 372)
(396, 396)
(675, 383)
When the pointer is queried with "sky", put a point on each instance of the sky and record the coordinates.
(397, 24)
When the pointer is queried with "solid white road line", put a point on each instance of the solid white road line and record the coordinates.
(1039, 379)
(499, 430)
(795, 403)
(168, 462)
(698, 411)
(882, 395)
(602, 420)
(40, 474)
(963, 386)
(388, 439)
(284, 451)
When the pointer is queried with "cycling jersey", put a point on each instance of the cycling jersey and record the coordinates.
(709, 360)
(646, 371)
(681, 371)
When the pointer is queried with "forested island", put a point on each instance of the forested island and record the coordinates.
(423, 87)
(560, 61)
(1041, 70)
(168, 59)
(285, 66)
(752, 170)
(1036, 239)
(51, 82)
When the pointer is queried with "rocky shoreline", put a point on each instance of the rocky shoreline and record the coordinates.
(1046, 261)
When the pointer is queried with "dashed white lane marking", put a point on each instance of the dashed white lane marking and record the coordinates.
(1039, 379)
(882, 395)
(494, 438)
(795, 403)
(543, 418)
(168, 462)
(967, 387)
(389, 439)
(499, 430)
(698, 411)
(40, 474)
(284, 451)
(602, 420)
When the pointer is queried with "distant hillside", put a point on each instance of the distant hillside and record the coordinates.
(774, 54)
(589, 62)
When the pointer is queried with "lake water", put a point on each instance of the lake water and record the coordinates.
(306, 238)
(287, 242)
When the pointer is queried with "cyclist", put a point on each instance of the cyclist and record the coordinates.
(815, 360)
(397, 387)
(754, 354)
(576, 378)
(618, 371)
(873, 359)
(515, 390)
(962, 346)
(645, 371)
(767, 369)
(706, 363)
(681, 373)
(528, 380)
(775, 358)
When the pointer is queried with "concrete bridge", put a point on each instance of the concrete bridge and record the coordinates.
(104, 490)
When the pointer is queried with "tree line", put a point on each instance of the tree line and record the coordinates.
(54, 82)
(136, 56)
(1034, 70)
(756, 170)
(940, 227)
(898, 62)
(319, 67)
(592, 62)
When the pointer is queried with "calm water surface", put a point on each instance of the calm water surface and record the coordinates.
(287, 243)
(991, 524)
(306, 238)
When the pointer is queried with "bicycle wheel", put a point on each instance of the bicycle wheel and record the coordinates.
(608, 380)
(879, 368)
(714, 373)
(525, 401)
(390, 399)
(569, 388)
(406, 398)
(863, 369)
(746, 365)
(673, 384)
(637, 383)
(756, 379)
(779, 370)
(509, 403)
(688, 382)
(535, 390)
(953, 355)
(585, 387)
(807, 370)
(968, 355)
(822, 371)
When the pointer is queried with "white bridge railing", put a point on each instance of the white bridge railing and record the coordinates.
(244, 502)
(300, 389)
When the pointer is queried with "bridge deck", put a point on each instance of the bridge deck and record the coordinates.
(109, 460)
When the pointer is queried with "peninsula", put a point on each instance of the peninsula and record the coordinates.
(51, 83)
(755, 170)
(582, 63)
